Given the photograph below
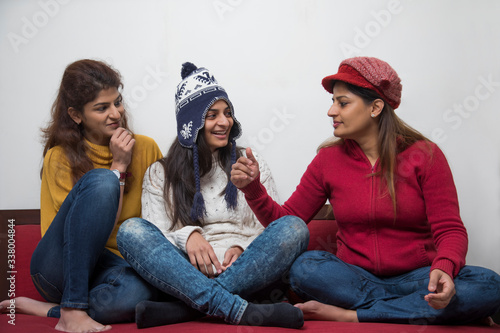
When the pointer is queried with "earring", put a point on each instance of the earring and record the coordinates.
(373, 115)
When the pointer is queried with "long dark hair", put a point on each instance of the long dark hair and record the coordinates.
(81, 83)
(180, 187)
(394, 137)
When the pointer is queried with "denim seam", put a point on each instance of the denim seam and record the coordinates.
(51, 311)
(241, 310)
(74, 305)
(35, 278)
(118, 276)
(67, 286)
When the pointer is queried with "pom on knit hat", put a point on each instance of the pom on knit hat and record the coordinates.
(187, 68)
(196, 93)
(371, 73)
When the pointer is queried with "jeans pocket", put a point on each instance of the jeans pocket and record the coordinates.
(46, 289)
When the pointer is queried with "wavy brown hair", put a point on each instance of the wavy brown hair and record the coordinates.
(180, 186)
(394, 136)
(81, 83)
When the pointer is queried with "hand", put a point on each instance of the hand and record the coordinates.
(442, 289)
(245, 170)
(202, 255)
(121, 146)
(230, 256)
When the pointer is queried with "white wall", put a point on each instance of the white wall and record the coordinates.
(271, 57)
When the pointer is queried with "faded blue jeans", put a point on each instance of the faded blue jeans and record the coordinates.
(321, 276)
(266, 260)
(70, 264)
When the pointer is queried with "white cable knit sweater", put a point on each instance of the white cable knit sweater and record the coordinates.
(223, 228)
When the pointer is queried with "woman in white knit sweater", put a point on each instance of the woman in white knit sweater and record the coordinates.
(228, 231)
(198, 240)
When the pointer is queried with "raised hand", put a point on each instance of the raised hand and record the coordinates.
(245, 170)
(121, 146)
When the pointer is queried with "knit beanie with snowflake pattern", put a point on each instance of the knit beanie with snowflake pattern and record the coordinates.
(196, 93)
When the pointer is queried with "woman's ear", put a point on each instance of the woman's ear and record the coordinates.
(75, 115)
(377, 107)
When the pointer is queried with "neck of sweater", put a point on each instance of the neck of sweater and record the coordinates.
(99, 154)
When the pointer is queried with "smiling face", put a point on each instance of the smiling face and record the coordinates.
(100, 117)
(218, 124)
(352, 116)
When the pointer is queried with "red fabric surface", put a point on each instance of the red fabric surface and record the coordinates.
(32, 324)
(322, 235)
(27, 238)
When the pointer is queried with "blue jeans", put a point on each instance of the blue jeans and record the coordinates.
(266, 260)
(70, 264)
(321, 276)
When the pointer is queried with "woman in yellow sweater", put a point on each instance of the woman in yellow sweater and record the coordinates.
(91, 182)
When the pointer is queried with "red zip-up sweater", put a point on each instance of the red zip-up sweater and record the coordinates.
(427, 231)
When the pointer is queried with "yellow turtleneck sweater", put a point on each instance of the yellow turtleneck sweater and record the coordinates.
(56, 180)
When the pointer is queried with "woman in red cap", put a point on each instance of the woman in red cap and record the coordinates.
(401, 241)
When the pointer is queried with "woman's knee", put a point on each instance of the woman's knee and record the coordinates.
(137, 233)
(294, 229)
(101, 181)
(479, 281)
(130, 229)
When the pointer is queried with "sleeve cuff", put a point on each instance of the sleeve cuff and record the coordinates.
(254, 190)
(183, 234)
(446, 266)
(243, 245)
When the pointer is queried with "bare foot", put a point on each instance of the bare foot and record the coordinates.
(488, 321)
(314, 310)
(27, 305)
(77, 320)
